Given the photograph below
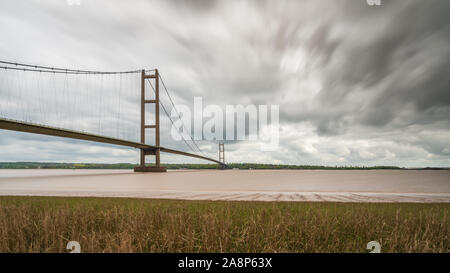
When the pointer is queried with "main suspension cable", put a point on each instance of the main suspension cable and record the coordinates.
(167, 113)
(179, 116)
(49, 69)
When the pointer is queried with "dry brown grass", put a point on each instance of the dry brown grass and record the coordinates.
(46, 224)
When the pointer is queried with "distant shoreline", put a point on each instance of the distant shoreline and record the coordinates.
(241, 166)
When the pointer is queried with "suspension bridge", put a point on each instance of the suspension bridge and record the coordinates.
(28, 107)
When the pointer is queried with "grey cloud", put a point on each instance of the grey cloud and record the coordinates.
(397, 58)
(350, 72)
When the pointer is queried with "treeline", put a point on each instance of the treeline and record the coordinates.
(304, 167)
(54, 165)
(241, 166)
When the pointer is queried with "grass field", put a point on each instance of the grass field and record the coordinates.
(46, 224)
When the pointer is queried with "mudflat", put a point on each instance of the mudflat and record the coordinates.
(250, 185)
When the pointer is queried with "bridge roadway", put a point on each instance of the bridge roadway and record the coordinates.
(21, 126)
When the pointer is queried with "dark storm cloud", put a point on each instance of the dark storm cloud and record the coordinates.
(398, 58)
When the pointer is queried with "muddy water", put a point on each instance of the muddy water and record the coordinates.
(263, 185)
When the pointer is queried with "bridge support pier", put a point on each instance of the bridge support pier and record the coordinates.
(156, 152)
(222, 155)
(150, 169)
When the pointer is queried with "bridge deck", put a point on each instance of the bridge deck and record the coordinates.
(21, 126)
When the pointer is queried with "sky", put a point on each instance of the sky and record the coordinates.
(355, 84)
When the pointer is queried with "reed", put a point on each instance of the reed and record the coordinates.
(46, 224)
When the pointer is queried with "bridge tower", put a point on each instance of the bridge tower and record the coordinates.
(222, 154)
(156, 152)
